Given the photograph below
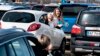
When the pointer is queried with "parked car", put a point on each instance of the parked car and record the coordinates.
(85, 33)
(50, 7)
(70, 12)
(45, 7)
(38, 7)
(17, 42)
(6, 7)
(30, 20)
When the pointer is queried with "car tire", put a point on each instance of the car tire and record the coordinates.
(61, 50)
(63, 46)
(57, 52)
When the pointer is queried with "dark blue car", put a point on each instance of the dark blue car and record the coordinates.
(17, 42)
(70, 12)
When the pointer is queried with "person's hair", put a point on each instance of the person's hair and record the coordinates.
(44, 41)
(60, 16)
(50, 15)
(54, 13)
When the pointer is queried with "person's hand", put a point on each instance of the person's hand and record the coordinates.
(49, 48)
(60, 25)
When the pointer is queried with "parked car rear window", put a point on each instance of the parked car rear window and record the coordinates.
(49, 8)
(37, 8)
(72, 10)
(89, 19)
(18, 17)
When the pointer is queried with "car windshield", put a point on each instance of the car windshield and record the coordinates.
(1, 13)
(19, 17)
(49, 8)
(37, 8)
(89, 19)
(72, 10)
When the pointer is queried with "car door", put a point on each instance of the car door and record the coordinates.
(59, 35)
(18, 47)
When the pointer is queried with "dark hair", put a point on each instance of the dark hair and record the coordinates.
(44, 41)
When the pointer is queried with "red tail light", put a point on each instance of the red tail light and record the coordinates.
(76, 29)
(92, 44)
(34, 27)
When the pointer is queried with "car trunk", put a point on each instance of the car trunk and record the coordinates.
(6, 25)
(69, 22)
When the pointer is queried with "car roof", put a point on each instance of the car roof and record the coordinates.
(51, 4)
(10, 7)
(94, 7)
(92, 11)
(7, 35)
(29, 11)
(81, 4)
(38, 5)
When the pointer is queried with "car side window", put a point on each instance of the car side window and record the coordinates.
(3, 51)
(19, 48)
(10, 50)
(43, 19)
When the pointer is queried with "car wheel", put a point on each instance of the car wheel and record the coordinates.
(61, 50)
(63, 46)
(57, 52)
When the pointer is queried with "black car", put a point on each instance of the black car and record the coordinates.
(17, 42)
(85, 34)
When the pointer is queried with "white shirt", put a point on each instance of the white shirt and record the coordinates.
(51, 24)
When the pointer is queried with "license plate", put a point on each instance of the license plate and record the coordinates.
(97, 44)
(93, 33)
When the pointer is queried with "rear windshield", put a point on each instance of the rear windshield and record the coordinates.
(49, 8)
(1, 13)
(72, 10)
(18, 17)
(37, 8)
(89, 19)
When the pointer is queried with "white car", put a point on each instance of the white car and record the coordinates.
(30, 20)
